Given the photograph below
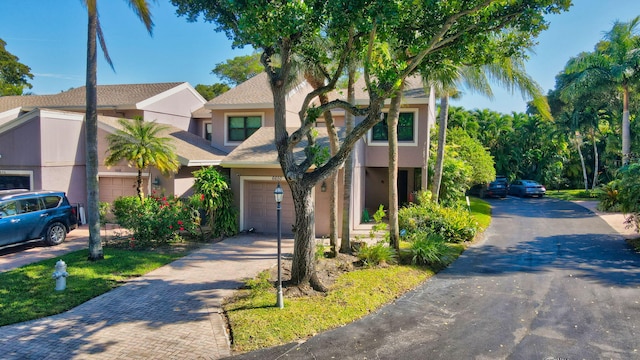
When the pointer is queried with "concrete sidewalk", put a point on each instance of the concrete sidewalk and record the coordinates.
(173, 312)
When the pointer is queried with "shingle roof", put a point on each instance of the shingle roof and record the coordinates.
(413, 91)
(122, 96)
(191, 149)
(254, 92)
(259, 150)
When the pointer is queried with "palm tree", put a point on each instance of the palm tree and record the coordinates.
(615, 64)
(141, 8)
(139, 144)
(508, 72)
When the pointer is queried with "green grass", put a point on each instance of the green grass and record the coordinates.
(28, 293)
(481, 211)
(257, 323)
(572, 195)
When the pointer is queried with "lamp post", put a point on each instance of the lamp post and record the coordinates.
(279, 194)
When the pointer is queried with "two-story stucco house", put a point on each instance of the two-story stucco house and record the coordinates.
(42, 145)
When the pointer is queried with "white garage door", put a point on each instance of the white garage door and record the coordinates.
(112, 188)
(260, 208)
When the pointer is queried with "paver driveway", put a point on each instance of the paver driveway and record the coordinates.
(551, 281)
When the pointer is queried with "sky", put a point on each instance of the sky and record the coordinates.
(50, 37)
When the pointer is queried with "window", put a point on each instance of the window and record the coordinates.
(208, 129)
(51, 202)
(241, 127)
(405, 128)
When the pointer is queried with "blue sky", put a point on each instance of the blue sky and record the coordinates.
(50, 37)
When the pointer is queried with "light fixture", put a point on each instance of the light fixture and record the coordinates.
(323, 187)
(279, 193)
(156, 181)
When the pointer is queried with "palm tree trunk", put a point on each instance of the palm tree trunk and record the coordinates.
(392, 135)
(345, 244)
(595, 162)
(577, 141)
(442, 140)
(626, 126)
(139, 185)
(91, 140)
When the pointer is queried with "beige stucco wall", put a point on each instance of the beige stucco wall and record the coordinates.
(408, 156)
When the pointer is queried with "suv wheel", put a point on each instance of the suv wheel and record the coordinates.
(56, 233)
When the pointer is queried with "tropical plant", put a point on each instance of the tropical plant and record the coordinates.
(614, 64)
(428, 249)
(94, 33)
(378, 254)
(217, 200)
(139, 143)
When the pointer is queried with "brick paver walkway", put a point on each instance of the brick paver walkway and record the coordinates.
(171, 313)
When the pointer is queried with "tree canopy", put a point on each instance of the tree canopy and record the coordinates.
(392, 39)
(14, 76)
(238, 69)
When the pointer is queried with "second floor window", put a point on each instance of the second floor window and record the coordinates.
(241, 127)
(380, 131)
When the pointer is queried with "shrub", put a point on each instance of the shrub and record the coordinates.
(453, 224)
(608, 195)
(217, 199)
(156, 221)
(377, 254)
(428, 249)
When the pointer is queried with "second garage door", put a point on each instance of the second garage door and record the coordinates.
(260, 208)
(112, 188)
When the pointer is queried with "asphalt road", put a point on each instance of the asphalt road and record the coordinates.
(551, 280)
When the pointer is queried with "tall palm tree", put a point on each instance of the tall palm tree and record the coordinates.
(139, 144)
(508, 72)
(615, 64)
(141, 8)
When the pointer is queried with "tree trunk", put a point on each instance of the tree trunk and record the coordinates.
(345, 245)
(303, 267)
(392, 135)
(626, 126)
(442, 140)
(578, 142)
(139, 185)
(595, 162)
(91, 140)
(427, 147)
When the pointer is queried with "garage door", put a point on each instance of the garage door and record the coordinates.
(260, 208)
(112, 188)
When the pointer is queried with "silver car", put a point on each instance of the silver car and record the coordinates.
(525, 188)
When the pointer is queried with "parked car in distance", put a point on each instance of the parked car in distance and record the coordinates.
(496, 188)
(27, 215)
(525, 188)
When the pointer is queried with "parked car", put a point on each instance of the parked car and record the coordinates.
(27, 215)
(496, 188)
(524, 188)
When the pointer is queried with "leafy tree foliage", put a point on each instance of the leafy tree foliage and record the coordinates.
(210, 91)
(14, 76)
(139, 144)
(239, 69)
(378, 32)
(217, 200)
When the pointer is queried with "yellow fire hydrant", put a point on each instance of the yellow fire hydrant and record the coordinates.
(61, 275)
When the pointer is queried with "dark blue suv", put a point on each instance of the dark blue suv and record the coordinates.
(27, 215)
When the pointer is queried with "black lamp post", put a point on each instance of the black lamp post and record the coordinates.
(279, 194)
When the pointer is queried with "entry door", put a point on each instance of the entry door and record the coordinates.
(403, 186)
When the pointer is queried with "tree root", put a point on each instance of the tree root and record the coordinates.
(316, 284)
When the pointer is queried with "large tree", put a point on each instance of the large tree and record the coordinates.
(425, 31)
(239, 69)
(139, 143)
(14, 75)
(94, 34)
(614, 64)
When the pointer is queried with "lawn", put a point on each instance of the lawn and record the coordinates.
(28, 293)
(573, 194)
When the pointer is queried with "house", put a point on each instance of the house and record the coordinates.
(42, 145)
(42, 142)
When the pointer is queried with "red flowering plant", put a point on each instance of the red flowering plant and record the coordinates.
(159, 220)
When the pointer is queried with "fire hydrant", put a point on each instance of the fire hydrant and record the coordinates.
(61, 275)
